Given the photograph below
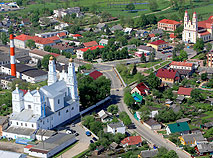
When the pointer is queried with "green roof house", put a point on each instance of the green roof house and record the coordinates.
(181, 127)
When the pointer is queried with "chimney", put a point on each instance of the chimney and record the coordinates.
(12, 56)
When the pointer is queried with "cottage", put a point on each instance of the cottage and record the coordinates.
(81, 51)
(204, 148)
(103, 42)
(192, 139)
(90, 44)
(117, 127)
(105, 116)
(139, 91)
(152, 124)
(148, 153)
(116, 28)
(159, 44)
(168, 75)
(186, 92)
(132, 140)
(182, 128)
(114, 146)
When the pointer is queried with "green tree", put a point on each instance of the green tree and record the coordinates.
(209, 133)
(204, 76)
(134, 70)
(45, 61)
(10, 30)
(113, 109)
(199, 45)
(153, 81)
(197, 95)
(143, 58)
(151, 19)
(128, 99)
(4, 38)
(145, 112)
(153, 6)
(172, 154)
(30, 44)
(39, 64)
(183, 55)
(94, 8)
(130, 7)
(125, 118)
(87, 120)
(208, 47)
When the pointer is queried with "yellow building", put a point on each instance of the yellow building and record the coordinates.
(168, 75)
(159, 44)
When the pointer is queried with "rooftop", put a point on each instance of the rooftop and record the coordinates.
(166, 73)
(90, 44)
(149, 153)
(10, 154)
(20, 131)
(95, 74)
(132, 140)
(142, 87)
(193, 137)
(116, 125)
(184, 91)
(206, 23)
(168, 21)
(62, 46)
(151, 122)
(158, 42)
(176, 63)
(145, 48)
(91, 48)
(183, 120)
(179, 127)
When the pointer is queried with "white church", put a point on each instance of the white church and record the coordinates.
(45, 107)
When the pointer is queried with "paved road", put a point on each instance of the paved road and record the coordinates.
(117, 98)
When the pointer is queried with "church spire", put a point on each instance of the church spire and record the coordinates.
(72, 81)
(52, 76)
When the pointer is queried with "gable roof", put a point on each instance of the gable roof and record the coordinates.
(179, 127)
(158, 42)
(167, 73)
(91, 48)
(206, 23)
(95, 74)
(172, 35)
(116, 125)
(193, 137)
(168, 21)
(145, 48)
(152, 122)
(61, 34)
(184, 91)
(178, 63)
(61, 46)
(132, 140)
(142, 87)
(149, 153)
(76, 35)
(90, 44)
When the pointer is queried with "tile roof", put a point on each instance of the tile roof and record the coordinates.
(179, 127)
(152, 35)
(61, 34)
(37, 39)
(181, 63)
(152, 122)
(43, 53)
(116, 125)
(142, 87)
(184, 91)
(168, 21)
(90, 44)
(76, 35)
(132, 140)
(91, 48)
(28, 146)
(158, 42)
(172, 35)
(206, 23)
(167, 73)
(95, 74)
(204, 33)
(62, 46)
(54, 38)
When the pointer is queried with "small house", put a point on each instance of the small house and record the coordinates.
(143, 49)
(204, 148)
(152, 124)
(139, 91)
(132, 140)
(103, 42)
(186, 92)
(168, 75)
(128, 30)
(182, 128)
(207, 125)
(95, 74)
(90, 44)
(99, 150)
(116, 28)
(105, 116)
(192, 139)
(113, 146)
(148, 153)
(117, 127)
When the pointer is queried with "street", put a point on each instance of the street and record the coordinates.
(117, 98)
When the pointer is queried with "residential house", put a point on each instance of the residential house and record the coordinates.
(116, 127)
(90, 44)
(188, 120)
(186, 92)
(192, 139)
(25, 21)
(101, 26)
(168, 75)
(180, 99)
(156, 32)
(204, 149)
(3, 123)
(148, 153)
(159, 44)
(61, 26)
(25, 72)
(95, 74)
(105, 116)
(103, 42)
(144, 49)
(153, 113)
(99, 150)
(130, 47)
(76, 36)
(10, 154)
(60, 34)
(6, 81)
(141, 33)
(168, 25)
(132, 140)
(207, 125)
(184, 68)
(139, 91)
(60, 13)
(182, 128)
(63, 48)
(81, 51)
(116, 28)
(114, 146)
(152, 124)
(128, 30)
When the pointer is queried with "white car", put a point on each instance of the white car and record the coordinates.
(68, 132)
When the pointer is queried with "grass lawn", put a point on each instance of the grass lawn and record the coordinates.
(149, 64)
(200, 56)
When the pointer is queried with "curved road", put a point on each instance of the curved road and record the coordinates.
(117, 98)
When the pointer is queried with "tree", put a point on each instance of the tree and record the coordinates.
(208, 47)
(197, 95)
(113, 109)
(171, 154)
(87, 120)
(204, 76)
(209, 133)
(10, 30)
(183, 55)
(151, 19)
(45, 61)
(152, 56)
(30, 44)
(143, 58)
(134, 71)
(4, 38)
(94, 8)
(125, 118)
(130, 7)
(153, 81)
(145, 112)
(128, 99)
(39, 64)
(153, 5)
(199, 45)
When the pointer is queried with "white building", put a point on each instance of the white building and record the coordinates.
(60, 13)
(105, 116)
(116, 128)
(52, 34)
(48, 106)
(9, 154)
(194, 29)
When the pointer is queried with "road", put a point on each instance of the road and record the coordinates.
(117, 98)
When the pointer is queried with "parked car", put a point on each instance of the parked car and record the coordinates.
(91, 141)
(94, 138)
(73, 125)
(68, 131)
(88, 133)
(76, 134)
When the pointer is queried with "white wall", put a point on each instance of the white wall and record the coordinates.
(19, 43)
(80, 54)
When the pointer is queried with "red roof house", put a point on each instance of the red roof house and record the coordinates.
(184, 91)
(62, 34)
(132, 140)
(95, 74)
(158, 42)
(172, 35)
(90, 44)
(141, 89)
(91, 48)
(168, 75)
(76, 35)
(168, 25)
